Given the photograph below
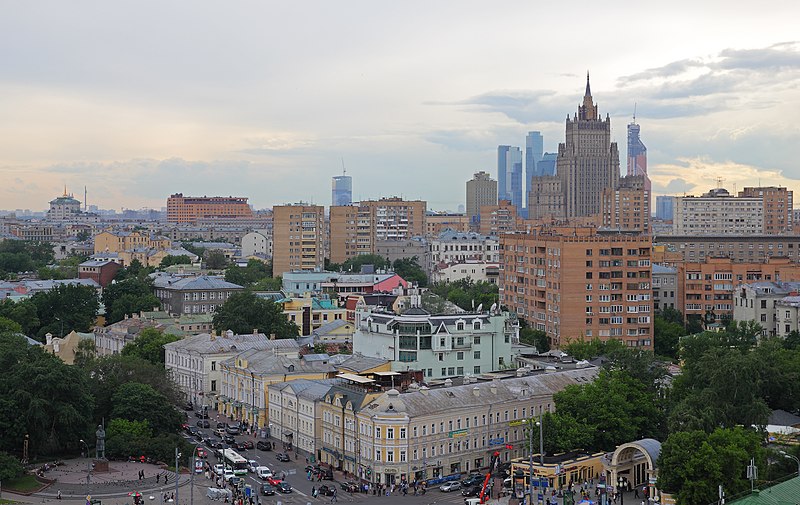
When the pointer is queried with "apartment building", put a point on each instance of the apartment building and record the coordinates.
(580, 284)
(298, 232)
(763, 302)
(192, 295)
(665, 287)
(777, 203)
(357, 229)
(437, 222)
(428, 433)
(497, 219)
(706, 289)
(440, 345)
(718, 213)
(188, 209)
(739, 248)
(481, 191)
(451, 247)
(121, 241)
(626, 207)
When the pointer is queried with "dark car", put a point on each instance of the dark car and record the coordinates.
(263, 445)
(235, 481)
(326, 490)
(267, 490)
(221, 425)
(203, 423)
(202, 414)
(472, 480)
(200, 436)
(471, 490)
(244, 446)
(282, 456)
(350, 487)
(284, 487)
(228, 439)
(188, 406)
(191, 430)
(232, 429)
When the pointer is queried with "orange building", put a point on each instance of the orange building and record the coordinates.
(297, 235)
(576, 283)
(626, 208)
(705, 289)
(777, 203)
(500, 218)
(188, 209)
(435, 223)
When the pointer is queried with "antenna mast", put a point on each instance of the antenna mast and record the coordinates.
(344, 170)
(634, 112)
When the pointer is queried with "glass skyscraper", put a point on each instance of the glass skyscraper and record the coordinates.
(342, 190)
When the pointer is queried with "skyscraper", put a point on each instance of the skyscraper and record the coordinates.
(481, 191)
(514, 168)
(534, 148)
(637, 154)
(588, 162)
(503, 178)
(342, 190)
(547, 165)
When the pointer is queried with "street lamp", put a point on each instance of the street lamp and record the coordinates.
(88, 463)
(177, 473)
(789, 456)
(620, 488)
(193, 469)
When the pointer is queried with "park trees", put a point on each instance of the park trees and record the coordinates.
(244, 311)
(149, 345)
(128, 296)
(65, 308)
(467, 293)
(254, 272)
(135, 401)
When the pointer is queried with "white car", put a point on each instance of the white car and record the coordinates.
(252, 465)
(450, 486)
(219, 468)
(263, 472)
(228, 474)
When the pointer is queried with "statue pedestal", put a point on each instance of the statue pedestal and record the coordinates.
(100, 466)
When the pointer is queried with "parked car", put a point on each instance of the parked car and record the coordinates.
(350, 487)
(263, 473)
(282, 456)
(245, 445)
(267, 490)
(472, 480)
(228, 439)
(263, 445)
(450, 486)
(252, 465)
(326, 490)
(203, 423)
(221, 425)
(202, 414)
(232, 429)
(284, 487)
(218, 468)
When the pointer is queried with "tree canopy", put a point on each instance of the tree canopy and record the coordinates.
(129, 296)
(249, 275)
(149, 345)
(65, 308)
(135, 401)
(467, 293)
(243, 312)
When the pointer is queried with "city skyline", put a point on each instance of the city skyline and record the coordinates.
(234, 100)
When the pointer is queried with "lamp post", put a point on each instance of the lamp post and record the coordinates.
(789, 456)
(88, 463)
(193, 469)
(620, 483)
(177, 474)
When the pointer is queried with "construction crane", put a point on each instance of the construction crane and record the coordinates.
(483, 497)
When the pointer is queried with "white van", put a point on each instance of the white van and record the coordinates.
(263, 472)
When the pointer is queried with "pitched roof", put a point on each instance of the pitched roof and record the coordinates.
(264, 361)
(356, 362)
(205, 344)
(330, 326)
(785, 493)
(193, 283)
(782, 418)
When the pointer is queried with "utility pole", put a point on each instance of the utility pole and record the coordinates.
(177, 474)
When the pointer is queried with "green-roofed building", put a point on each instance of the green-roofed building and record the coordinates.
(785, 493)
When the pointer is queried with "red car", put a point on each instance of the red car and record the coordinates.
(272, 481)
(201, 453)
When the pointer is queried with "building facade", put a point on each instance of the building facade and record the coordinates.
(739, 248)
(497, 219)
(188, 209)
(298, 233)
(457, 247)
(762, 302)
(665, 287)
(192, 295)
(718, 213)
(439, 345)
(341, 190)
(550, 279)
(437, 222)
(481, 191)
(777, 204)
(664, 207)
(627, 207)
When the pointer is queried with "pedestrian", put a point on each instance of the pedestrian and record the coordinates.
(166, 479)
(636, 492)
(313, 491)
(59, 494)
(158, 478)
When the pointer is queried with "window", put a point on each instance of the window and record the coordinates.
(390, 433)
(476, 369)
(402, 433)
(378, 455)
(377, 432)
(476, 340)
(460, 355)
(213, 385)
(213, 365)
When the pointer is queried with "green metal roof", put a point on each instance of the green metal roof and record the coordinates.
(785, 493)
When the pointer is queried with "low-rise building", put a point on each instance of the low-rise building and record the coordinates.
(474, 270)
(192, 295)
(102, 272)
(294, 413)
(66, 348)
(459, 247)
(665, 287)
(440, 345)
(310, 313)
(109, 340)
(769, 303)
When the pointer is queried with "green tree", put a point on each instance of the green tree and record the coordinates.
(23, 312)
(244, 311)
(354, 264)
(666, 336)
(692, 464)
(249, 275)
(149, 345)
(410, 270)
(467, 294)
(170, 260)
(65, 308)
(41, 396)
(562, 433)
(129, 296)
(792, 340)
(198, 250)
(268, 284)
(10, 467)
(671, 315)
(134, 270)
(215, 259)
(85, 352)
(536, 338)
(135, 401)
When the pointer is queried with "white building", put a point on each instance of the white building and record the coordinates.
(440, 345)
(718, 213)
(770, 304)
(257, 243)
(195, 361)
(293, 409)
(457, 247)
(477, 271)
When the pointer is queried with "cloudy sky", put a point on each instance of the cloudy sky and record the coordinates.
(138, 100)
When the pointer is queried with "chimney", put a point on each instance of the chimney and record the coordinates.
(493, 389)
(48, 338)
(255, 331)
(448, 383)
(424, 390)
(272, 336)
(213, 336)
(476, 391)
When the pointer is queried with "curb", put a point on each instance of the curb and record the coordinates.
(53, 496)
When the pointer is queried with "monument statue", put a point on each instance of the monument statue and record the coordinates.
(101, 442)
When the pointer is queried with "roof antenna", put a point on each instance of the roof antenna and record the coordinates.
(344, 170)
(634, 112)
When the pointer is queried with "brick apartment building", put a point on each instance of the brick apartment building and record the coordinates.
(577, 283)
(298, 232)
(188, 209)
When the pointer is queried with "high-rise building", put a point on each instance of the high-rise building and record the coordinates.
(514, 160)
(356, 229)
(627, 208)
(718, 213)
(481, 190)
(534, 148)
(580, 284)
(497, 219)
(298, 232)
(188, 209)
(777, 203)
(547, 165)
(503, 177)
(342, 190)
(665, 206)
(637, 156)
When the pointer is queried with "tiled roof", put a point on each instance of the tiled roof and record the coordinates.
(264, 361)
(356, 362)
(200, 282)
(205, 344)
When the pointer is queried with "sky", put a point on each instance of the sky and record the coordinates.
(268, 100)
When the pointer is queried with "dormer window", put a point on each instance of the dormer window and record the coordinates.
(476, 325)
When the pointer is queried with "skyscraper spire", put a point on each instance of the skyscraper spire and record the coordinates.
(588, 89)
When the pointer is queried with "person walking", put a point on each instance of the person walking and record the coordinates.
(59, 495)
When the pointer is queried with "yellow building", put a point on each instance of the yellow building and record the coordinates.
(246, 377)
(118, 242)
(66, 348)
(310, 313)
(560, 470)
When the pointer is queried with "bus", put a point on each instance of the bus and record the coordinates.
(233, 460)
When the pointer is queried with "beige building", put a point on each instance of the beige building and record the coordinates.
(718, 213)
(357, 229)
(66, 348)
(575, 284)
(674, 249)
(122, 241)
(778, 204)
(298, 232)
(627, 207)
(428, 433)
(437, 222)
(188, 209)
(481, 191)
(497, 219)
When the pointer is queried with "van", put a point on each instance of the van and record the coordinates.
(263, 472)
